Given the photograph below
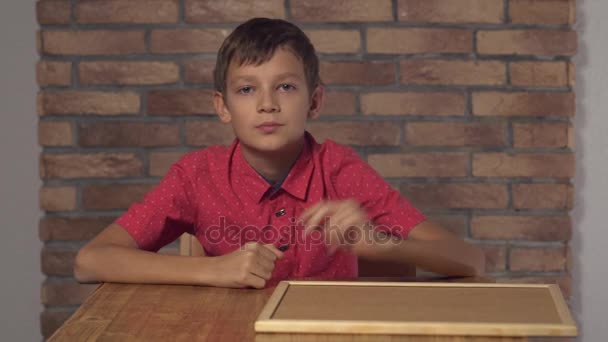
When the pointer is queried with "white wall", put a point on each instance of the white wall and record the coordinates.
(19, 183)
(590, 241)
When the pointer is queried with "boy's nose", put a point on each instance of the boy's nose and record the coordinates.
(267, 104)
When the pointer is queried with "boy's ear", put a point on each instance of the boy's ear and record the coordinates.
(221, 108)
(316, 102)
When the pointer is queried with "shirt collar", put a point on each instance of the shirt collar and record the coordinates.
(296, 183)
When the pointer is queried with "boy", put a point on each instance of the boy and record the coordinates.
(275, 204)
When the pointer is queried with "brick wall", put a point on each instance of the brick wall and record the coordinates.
(465, 106)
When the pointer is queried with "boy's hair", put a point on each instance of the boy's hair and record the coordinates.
(256, 40)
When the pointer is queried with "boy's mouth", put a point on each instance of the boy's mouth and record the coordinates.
(268, 127)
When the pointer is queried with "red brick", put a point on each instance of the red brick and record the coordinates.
(50, 73)
(127, 11)
(65, 292)
(571, 137)
(527, 42)
(420, 164)
(207, 133)
(52, 318)
(58, 261)
(88, 102)
(57, 198)
(53, 12)
(358, 73)
(413, 103)
(180, 102)
(523, 165)
(564, 282)
(492, 103)
(187, 40)
(125, 134)
(569, 259)
(39, 42)
(496, 257)
(414, 71)
(357, 133)
(335, 41)
(541, 196)
(211, 11)
(526, 135)
(113, 196)
(534, 228)
(107, 165)
(549, 12)
(571, 74)
(199, 71)
(72, 228)
(539, 74)
(537, 259)
(456, 196)
(54, 133)
(454, 134)
(106, 42)
(448, 11)
(160, 162)
(128, 73)
(418, 40)
(338, 103)
(341, 10)
(456, 224)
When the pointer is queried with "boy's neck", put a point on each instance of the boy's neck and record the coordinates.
(273, 166)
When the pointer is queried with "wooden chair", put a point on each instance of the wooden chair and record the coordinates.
(367, 268)
(190, 246)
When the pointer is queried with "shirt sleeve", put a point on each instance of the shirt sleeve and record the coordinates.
(165, 213)
(389, 211)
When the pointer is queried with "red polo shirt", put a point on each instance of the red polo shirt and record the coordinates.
(215, 195)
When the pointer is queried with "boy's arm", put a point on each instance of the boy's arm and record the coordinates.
(427, 245)
(366, 196)
(434, 249)
(113, 256)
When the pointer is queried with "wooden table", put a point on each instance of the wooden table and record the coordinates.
(132, 312)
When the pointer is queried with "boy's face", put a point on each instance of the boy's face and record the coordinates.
(268, 104)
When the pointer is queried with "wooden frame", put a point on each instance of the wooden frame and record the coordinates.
(267, 323)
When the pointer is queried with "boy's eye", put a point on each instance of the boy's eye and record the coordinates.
(245, 90)
(286, 87)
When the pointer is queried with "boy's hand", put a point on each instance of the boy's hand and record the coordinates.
(344, 224)
(251, 265)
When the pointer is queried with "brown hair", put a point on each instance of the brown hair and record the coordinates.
(255, 41)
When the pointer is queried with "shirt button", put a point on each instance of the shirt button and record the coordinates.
(280, 213)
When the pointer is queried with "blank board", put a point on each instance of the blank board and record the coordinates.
(417, 309)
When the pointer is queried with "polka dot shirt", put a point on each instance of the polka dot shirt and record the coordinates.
(215, 195)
